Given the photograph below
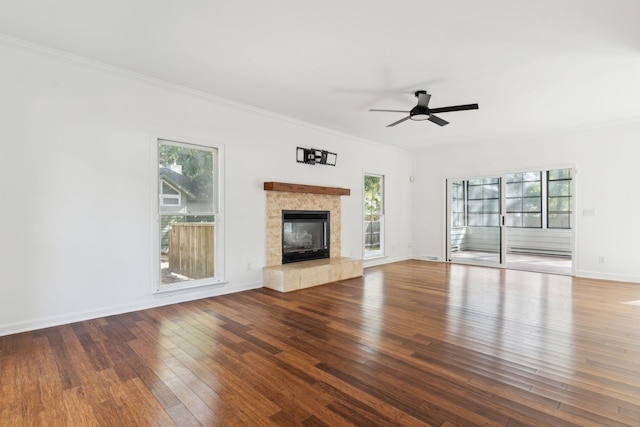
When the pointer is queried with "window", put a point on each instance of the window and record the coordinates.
(524, 199)
(169, 196)
(187, 209)
(559, 198)
(457, 204)
(537, 199)
(373, 215)
(483, 202)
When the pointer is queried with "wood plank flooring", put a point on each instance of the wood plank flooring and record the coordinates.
(412, 343)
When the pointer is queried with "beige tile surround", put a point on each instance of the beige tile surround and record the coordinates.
(300, 275)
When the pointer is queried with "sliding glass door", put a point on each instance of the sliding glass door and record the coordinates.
(518, 220)
(475, 221)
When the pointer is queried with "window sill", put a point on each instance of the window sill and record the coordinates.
(177, 287)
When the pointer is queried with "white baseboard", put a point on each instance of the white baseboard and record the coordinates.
(607, 276)
(432, 258)
(383, 260)
(155, 300)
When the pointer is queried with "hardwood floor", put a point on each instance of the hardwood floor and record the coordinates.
(411, 343)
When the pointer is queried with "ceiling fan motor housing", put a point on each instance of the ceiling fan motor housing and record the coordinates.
(419, 112)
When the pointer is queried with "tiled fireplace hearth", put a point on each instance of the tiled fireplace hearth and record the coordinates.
(298, 275)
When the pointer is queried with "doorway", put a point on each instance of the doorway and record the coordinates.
(519, 221)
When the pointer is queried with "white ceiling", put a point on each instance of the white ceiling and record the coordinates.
(533, 66)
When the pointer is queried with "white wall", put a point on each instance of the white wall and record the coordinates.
(78, 194)
(606, 203)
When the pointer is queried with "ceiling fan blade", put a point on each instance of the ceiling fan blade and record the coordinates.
(437, 120)
(390, 111)
(423, 99)
(454, 108)
(399, 121)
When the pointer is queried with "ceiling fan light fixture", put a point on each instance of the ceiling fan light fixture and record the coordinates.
(420, 116)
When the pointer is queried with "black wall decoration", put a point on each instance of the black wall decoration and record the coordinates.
(312, 156)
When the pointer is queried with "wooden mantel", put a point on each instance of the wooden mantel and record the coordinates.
(301, 188)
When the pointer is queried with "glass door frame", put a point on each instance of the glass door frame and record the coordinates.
(506, 259)
(502, 237)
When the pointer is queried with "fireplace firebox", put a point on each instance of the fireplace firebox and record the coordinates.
(305, 235)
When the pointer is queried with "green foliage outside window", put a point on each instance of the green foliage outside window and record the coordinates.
(196, 164)
(373, 193)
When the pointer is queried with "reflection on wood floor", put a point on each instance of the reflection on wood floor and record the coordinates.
(519, 261)
(413, 343)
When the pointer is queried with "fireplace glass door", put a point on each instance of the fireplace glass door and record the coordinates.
(305, 235)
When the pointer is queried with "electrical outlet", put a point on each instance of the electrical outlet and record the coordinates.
(601, 259)
(248, 266)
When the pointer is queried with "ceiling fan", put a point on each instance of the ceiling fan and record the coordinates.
(423, 112)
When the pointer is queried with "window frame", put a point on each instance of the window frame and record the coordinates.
(381, 252)
(484, 202)
(217, 211)
(544, 199)
(460, 215)
(569, 212)
(522, 197)
(164, 195)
